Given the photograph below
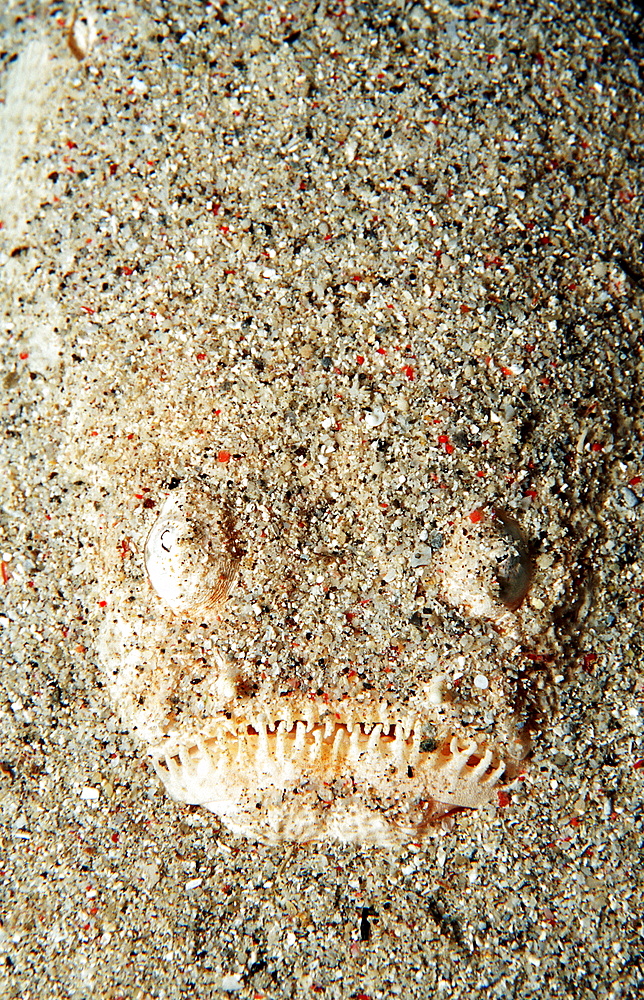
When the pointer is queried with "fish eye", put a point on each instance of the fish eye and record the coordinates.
(190, 561)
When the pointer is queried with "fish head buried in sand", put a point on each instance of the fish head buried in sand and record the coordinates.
(332, 606)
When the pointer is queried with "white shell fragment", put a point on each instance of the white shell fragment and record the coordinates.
(81, 34)
(190, 561)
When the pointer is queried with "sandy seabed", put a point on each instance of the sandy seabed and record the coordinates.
(275, 188)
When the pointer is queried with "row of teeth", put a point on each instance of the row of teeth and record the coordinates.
(338, 745)
(312, 715)
(328, 727)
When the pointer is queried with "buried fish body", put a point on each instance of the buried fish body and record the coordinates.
(339, 435)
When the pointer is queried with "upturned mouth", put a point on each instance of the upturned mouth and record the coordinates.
(360, 773)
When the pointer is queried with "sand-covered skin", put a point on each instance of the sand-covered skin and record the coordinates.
(389, 245)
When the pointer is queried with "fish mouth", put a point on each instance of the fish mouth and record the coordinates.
(275, 779)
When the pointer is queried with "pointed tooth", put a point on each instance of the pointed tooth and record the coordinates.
(175, 766)
(329, 728)
(482, 766)
(479, 774)
(374, 738)
(223, 725)
(310, 716)
(240, 750)
(399, 745)
(260, 722)
(316, 745)
(164, 766)
(280, 741)
(459, 760)
(413, 751)
(262, 731)
(338, 743)
(496, 775)
(300, 736)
